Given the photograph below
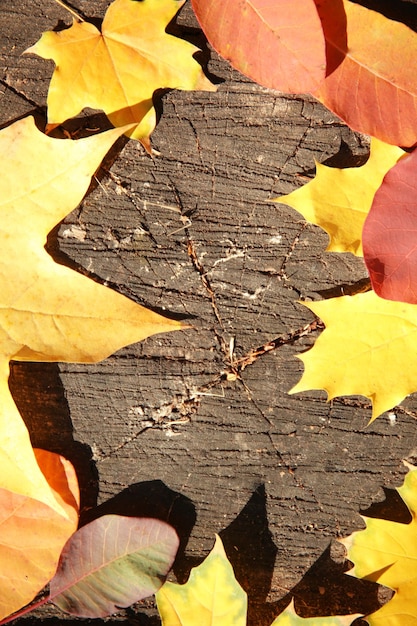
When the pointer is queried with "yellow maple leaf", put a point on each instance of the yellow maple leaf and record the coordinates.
(118, 69)
(290, 618)
(210, 597)
(386, 552)
(366, 342)
(49, 312)
(338, 200)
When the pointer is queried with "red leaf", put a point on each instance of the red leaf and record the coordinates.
(374, 88)
(113, 562)
(278, 44)
(390, 234)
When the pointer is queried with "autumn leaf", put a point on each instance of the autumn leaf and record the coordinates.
(374, 88)
(111, 563)
(32, 534)
(290, 618)
(49, 312)
(366, 342)
(386, 553)
(278, 44)
(390, 234)
(338, 200)
(119, 69)
(210, 597)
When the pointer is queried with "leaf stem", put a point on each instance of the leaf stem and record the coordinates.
(72, 11)
(26, 609)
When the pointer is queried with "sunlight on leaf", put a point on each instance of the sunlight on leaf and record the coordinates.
(374, 88)
(366, 342)
(210, 597)
(250, 34)
(338, 200)
(113, 562)
(386, 552)
(119, 69)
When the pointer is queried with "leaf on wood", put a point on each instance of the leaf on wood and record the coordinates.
(211, 596)
(366, 343)
(386, 553)
(49, 312)
(119, 69)
(374, 88)
(278, 44)
(290, 618)
(32, 534)
(113, 562)
(390, 234)
(338, 200)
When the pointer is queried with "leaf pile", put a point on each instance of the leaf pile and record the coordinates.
(361, 66)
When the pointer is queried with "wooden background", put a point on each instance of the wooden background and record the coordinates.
(196, 427)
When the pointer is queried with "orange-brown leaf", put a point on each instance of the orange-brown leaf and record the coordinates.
(32, 534)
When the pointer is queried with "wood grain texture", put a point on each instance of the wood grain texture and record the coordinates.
(197, 427)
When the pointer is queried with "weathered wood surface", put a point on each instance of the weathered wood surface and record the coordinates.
(196, 427)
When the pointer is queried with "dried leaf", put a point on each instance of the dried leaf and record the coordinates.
(373, 86)
(386, 552)
(119, 69)
(32, 534)
(389, 234)
(290, 618)
(338, 200)
(367, 341)
(211, 597)
(278, 44)
(113, 562)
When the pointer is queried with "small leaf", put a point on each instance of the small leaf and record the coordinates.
(113, 562)
(390, 234)
(32, 534)
(374, 87)
(366, 342)
(290, 618)
(278, 44)
(386, 552)
(211, 597)
(118, 69)
(338, 200)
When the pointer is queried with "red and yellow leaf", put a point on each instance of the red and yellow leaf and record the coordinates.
(277, 44)
(390, 234)
(119, 69)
